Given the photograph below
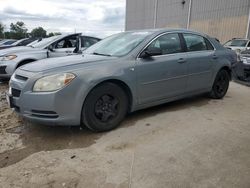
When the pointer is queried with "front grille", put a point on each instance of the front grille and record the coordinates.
(19, 77)
(44, 114)
(15, 92)
(2, 70)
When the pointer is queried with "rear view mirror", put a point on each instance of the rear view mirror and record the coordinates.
(152, 51)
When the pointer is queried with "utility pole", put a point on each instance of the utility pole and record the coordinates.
(248, 25)
(155, 13)
(189, 13)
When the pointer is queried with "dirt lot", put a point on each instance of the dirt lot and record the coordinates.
(195, 142)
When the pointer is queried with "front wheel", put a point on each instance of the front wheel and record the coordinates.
(105, 107)
(220, 85)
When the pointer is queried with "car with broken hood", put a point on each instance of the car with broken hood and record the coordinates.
(238, 44)
(56, 46)
(242, 68)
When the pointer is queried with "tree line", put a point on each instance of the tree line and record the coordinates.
(18, 30)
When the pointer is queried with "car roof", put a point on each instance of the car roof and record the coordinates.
(163, 30)
(90, 37)
(239, 39)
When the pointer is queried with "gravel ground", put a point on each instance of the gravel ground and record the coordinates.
(196, 142)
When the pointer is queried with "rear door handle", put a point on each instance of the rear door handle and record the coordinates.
(181, 60)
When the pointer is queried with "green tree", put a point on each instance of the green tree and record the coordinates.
(57, 33)
(1, 30)
(54, 34)
(51, 34)
(18, 30)
(38, 32)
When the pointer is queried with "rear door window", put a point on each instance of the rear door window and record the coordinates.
(196, 43)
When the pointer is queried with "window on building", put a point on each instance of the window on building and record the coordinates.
(168, 43)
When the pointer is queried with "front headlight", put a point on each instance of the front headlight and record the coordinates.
(53, 82)
(8, 57)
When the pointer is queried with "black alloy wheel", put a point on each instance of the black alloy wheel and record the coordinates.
(220, 85)
(105, 107)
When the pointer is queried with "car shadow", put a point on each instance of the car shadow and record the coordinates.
(36, 138)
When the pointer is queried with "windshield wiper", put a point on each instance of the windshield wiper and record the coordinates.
(95, 53)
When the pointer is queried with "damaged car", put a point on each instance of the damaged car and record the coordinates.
(242, 68)
(123, 73)
(56, 46)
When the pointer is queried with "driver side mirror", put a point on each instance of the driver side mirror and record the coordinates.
(149, 52)
(50, 48)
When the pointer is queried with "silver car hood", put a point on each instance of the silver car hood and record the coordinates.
(19, 49)
(59, 62)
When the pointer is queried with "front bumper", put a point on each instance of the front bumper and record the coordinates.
(242, 71)
(7, 68)
(62, 107)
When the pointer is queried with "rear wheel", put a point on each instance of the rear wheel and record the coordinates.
(220, 85)
(105, 107)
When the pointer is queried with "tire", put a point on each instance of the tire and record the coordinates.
(220, 86)
(105, 107)
(4, 80)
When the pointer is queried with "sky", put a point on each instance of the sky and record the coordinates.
(94, 17)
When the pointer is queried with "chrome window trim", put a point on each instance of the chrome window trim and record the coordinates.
(156, 37)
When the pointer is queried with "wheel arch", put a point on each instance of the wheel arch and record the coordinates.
(25, 61)
(125, 87)
(228, 69)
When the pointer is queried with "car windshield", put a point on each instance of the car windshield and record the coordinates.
(43, 43)
(240, 43)
(9, 42)
(17, 42)
(118, 45)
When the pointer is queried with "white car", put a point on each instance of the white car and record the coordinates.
(56, 46)
(238, 45)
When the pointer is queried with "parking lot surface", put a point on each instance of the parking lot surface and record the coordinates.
(195, 142)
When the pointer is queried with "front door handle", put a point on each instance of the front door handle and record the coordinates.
(215, 57)
(181, 60)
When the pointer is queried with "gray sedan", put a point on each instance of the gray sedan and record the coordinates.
(121, 74)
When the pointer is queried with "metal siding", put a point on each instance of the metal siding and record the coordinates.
(171, 13)
(223, 19)
(139, 14)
